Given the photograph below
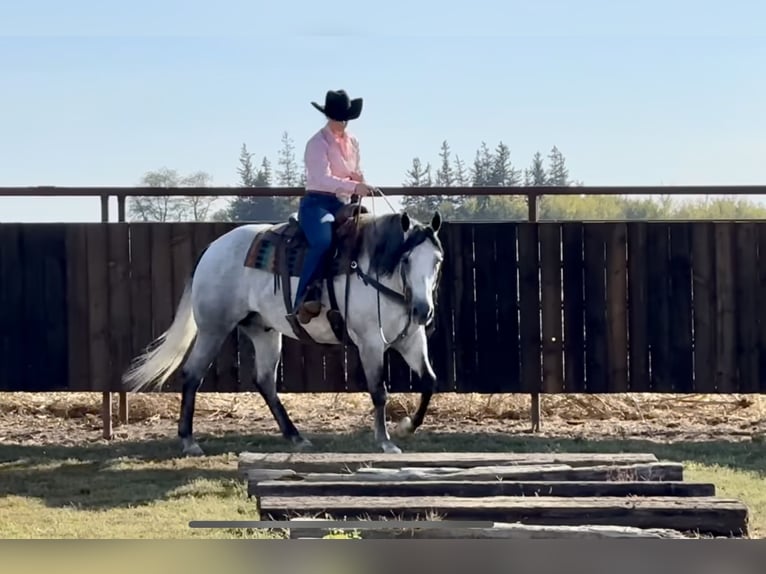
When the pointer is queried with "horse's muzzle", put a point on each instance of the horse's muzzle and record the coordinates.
(422, 312)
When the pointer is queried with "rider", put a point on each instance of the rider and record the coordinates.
(333, 175)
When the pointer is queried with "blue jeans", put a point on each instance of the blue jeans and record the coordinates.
(313, 207)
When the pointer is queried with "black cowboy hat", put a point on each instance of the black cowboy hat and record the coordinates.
(339, 107)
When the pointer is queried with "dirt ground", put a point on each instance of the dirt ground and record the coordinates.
(69, 419)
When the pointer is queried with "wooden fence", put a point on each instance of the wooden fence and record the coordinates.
(549, 307)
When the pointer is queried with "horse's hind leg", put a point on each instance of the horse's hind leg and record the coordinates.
(268, 349)
(203, 352)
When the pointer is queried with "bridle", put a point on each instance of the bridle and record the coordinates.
(405, 298)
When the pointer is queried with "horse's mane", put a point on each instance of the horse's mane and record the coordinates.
(384, 241)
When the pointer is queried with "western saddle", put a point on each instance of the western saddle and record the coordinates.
(281, 250)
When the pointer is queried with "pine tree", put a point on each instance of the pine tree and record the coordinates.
(245, 170)
(558, 174)
(421, 206)
(482, 167)
(502, 171)
(445, 177)
(263, 176)
(417, 175)
(287, 174)
(461, 177)
(535, 175)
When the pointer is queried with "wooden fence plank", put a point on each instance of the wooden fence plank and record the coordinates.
(78, 316)
(98, 301)
(616, 307)
(704, 307)
(489, 358)
(680, 317)
(465, 309)
(574, 307)
(596, 374)
(294, 373)
(181, 244)
(551, 301)
(10, 298)
(440, 342)
(120, 331)
(508, 305)
(42, 332)
(183, 255)
(313, 364)
(659, 304)
(335, 369)
(761, 278)
(163, 304)
(55, 326)
(638, 307)
(140, 285)
(397, 373)
(356, 381)
(747, 307)
(529, 306)
(726, 329)
(32, 251)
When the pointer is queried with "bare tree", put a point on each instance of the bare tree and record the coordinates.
(172, 208)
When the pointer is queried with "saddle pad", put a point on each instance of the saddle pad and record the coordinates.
(266, 248)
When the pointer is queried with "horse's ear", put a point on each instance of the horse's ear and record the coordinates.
(405, 219)
(436, 221)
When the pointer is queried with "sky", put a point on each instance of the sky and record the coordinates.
(632, 92)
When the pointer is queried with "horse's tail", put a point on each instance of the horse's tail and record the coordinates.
(163, 355)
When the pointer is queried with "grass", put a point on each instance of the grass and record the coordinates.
(144, 490)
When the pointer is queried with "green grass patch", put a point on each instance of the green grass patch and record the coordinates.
(145, 490)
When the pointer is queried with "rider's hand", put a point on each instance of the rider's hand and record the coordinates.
(362, 189)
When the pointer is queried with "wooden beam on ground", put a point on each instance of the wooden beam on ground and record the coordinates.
(480, 488)
(658, 471)
(498, 530)
(343, 462)
(705, 515)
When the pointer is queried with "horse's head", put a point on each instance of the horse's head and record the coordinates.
(421, 261)
(411, 253)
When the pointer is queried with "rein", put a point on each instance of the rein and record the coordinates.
(404, 299)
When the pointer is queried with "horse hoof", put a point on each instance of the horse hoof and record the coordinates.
(404, 428)
(193, 449)
(390, 448)
(303, 444)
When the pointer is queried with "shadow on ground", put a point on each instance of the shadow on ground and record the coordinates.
(123, 474)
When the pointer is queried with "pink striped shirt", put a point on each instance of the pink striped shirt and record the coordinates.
(332, 163)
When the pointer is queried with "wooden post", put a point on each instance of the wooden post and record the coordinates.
(123, 395)
(535, 406)
(106, 396)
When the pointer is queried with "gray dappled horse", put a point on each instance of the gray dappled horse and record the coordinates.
(386, 269)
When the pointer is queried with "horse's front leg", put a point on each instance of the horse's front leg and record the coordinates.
(414, 350)
(371, 356)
